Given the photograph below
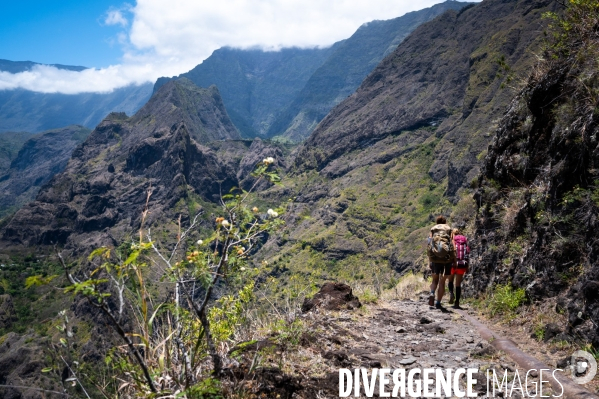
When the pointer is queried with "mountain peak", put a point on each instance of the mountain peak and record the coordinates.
(102, 191)
(202, 111)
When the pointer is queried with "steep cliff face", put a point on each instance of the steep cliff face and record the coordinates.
(102, 191)
(286, 93)
(39, 158)
(452, 74)
(538, 196)
(255, 84)
(345, 69)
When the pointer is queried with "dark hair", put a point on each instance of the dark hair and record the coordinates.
(441, 219)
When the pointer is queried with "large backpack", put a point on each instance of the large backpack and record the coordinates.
(462, 251)
(440, 247)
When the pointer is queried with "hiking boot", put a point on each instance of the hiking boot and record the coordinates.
(456, 306)
(438, 305)
(431, 300)
(451, 298)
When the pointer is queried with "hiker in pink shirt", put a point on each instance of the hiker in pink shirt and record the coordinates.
(459, 267)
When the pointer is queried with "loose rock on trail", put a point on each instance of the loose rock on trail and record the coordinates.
(393, 334)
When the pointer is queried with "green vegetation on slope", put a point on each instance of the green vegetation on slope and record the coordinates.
(363, 226)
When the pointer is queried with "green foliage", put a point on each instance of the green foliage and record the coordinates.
(229, 312)
(539, 332)
(369, 296)
(429, 200)
(572, 28)
(38, 280)
(208, 388)
(289, 333)
(592, 350)
(26, 279)
(392, 283)
(505, 299)
(180, 329)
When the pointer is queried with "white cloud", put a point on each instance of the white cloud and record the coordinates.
(47, 79)
(167, 38)
(115, 17)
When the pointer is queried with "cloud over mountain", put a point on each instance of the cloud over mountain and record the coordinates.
(167, 38)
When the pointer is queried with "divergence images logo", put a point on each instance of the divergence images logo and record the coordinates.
(583, 366)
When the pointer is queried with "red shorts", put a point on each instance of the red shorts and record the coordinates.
(459, 270)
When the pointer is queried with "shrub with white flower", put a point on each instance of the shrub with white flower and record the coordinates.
(204, 323)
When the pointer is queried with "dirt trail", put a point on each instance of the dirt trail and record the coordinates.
(405, 334)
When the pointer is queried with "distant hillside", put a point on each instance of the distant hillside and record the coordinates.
(453, 75)
(38, 159)
(10, 144)
(24, 110)
(22, 66)
(346, 68)
(256, 85)
(288, 92)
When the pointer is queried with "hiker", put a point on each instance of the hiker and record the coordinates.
(459, 267)
(441, 254)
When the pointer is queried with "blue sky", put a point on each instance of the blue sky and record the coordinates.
(67, 32)
(137, 42)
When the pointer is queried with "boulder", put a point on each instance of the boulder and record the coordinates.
(332, 296)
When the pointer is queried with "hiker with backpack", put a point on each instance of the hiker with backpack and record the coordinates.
(441, 254)
(459, 267)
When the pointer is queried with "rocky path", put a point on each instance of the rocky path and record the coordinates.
(395, 334)
(405, 334)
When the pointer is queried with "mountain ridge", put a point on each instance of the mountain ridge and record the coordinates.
(459, 81)
(99, 196)
(23, 66)
(346, 68)
(307, 83)
(255, 83)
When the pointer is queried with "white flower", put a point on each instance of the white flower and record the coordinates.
(199, 242)
(272, 213)
(242, 269)
(225, 223)
(268, 160)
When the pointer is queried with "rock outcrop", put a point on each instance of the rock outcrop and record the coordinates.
(332, 296)
(7, 312)
(538, 201)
